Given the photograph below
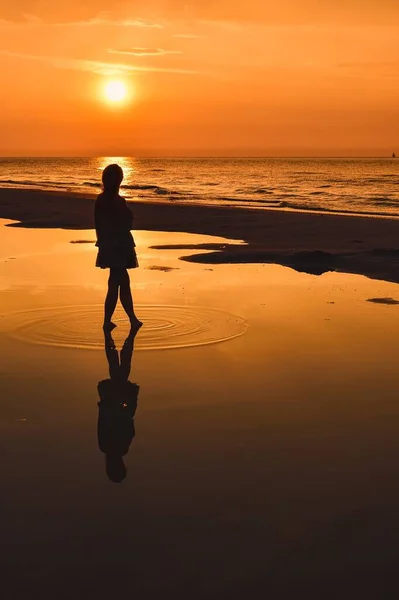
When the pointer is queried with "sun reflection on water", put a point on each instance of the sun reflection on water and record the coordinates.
(126, 163)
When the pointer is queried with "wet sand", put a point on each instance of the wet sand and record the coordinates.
(309, 242)
(263, 465)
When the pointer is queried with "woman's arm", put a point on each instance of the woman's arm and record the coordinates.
(103, 223)
(128, 215)
(96, 219)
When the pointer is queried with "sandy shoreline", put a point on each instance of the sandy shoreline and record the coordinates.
(309, 242)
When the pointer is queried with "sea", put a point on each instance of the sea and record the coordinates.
(358, 186)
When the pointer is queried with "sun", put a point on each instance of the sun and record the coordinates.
(115, 91)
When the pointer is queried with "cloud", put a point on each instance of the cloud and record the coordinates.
(143, 51)
(98, 67)
(87, 12)
(187, 36)
(101, 20)
(33, 19)
(251, 11)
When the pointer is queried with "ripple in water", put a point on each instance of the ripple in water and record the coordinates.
(165, 327)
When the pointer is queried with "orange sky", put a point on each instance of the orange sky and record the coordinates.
(210, 77)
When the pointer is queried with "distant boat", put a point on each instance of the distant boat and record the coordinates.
(393, 155)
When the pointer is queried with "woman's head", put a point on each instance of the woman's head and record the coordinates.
(112, 178)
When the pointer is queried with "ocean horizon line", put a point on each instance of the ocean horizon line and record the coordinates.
(195, 157)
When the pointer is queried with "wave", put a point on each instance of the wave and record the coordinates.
(381, 180)
(156, 189)
(384, 202)
(355, 201)
(262, 191)
(15, 182)
(125, 186)
(91, 184)
(336, 211)
(249, 200)
(141, 186)
(29, 182)
(255, 191)
(271, 202)
(285, 195)
(300, 173)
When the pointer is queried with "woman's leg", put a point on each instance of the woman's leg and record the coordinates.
(111, 298)
(126, 298)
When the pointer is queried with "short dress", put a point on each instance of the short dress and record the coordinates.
(116, 410)
(115, 243)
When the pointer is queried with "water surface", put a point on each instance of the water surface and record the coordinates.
(337, 185)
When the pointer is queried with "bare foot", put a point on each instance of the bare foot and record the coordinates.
(109, 326)
(135, 323)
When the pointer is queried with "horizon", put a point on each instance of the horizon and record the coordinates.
(203, 157)
(178, 78)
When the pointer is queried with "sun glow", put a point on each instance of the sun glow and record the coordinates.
(115, 92)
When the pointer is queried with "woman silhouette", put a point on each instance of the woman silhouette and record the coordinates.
(117, 407)
(116, 247)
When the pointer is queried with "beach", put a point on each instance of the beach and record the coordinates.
(199, 300)
(306, 241)
(266, 428)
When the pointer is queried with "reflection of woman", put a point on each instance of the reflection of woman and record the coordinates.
(117, 407)
(116, 247)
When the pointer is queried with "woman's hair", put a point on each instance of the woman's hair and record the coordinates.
(112, 178)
